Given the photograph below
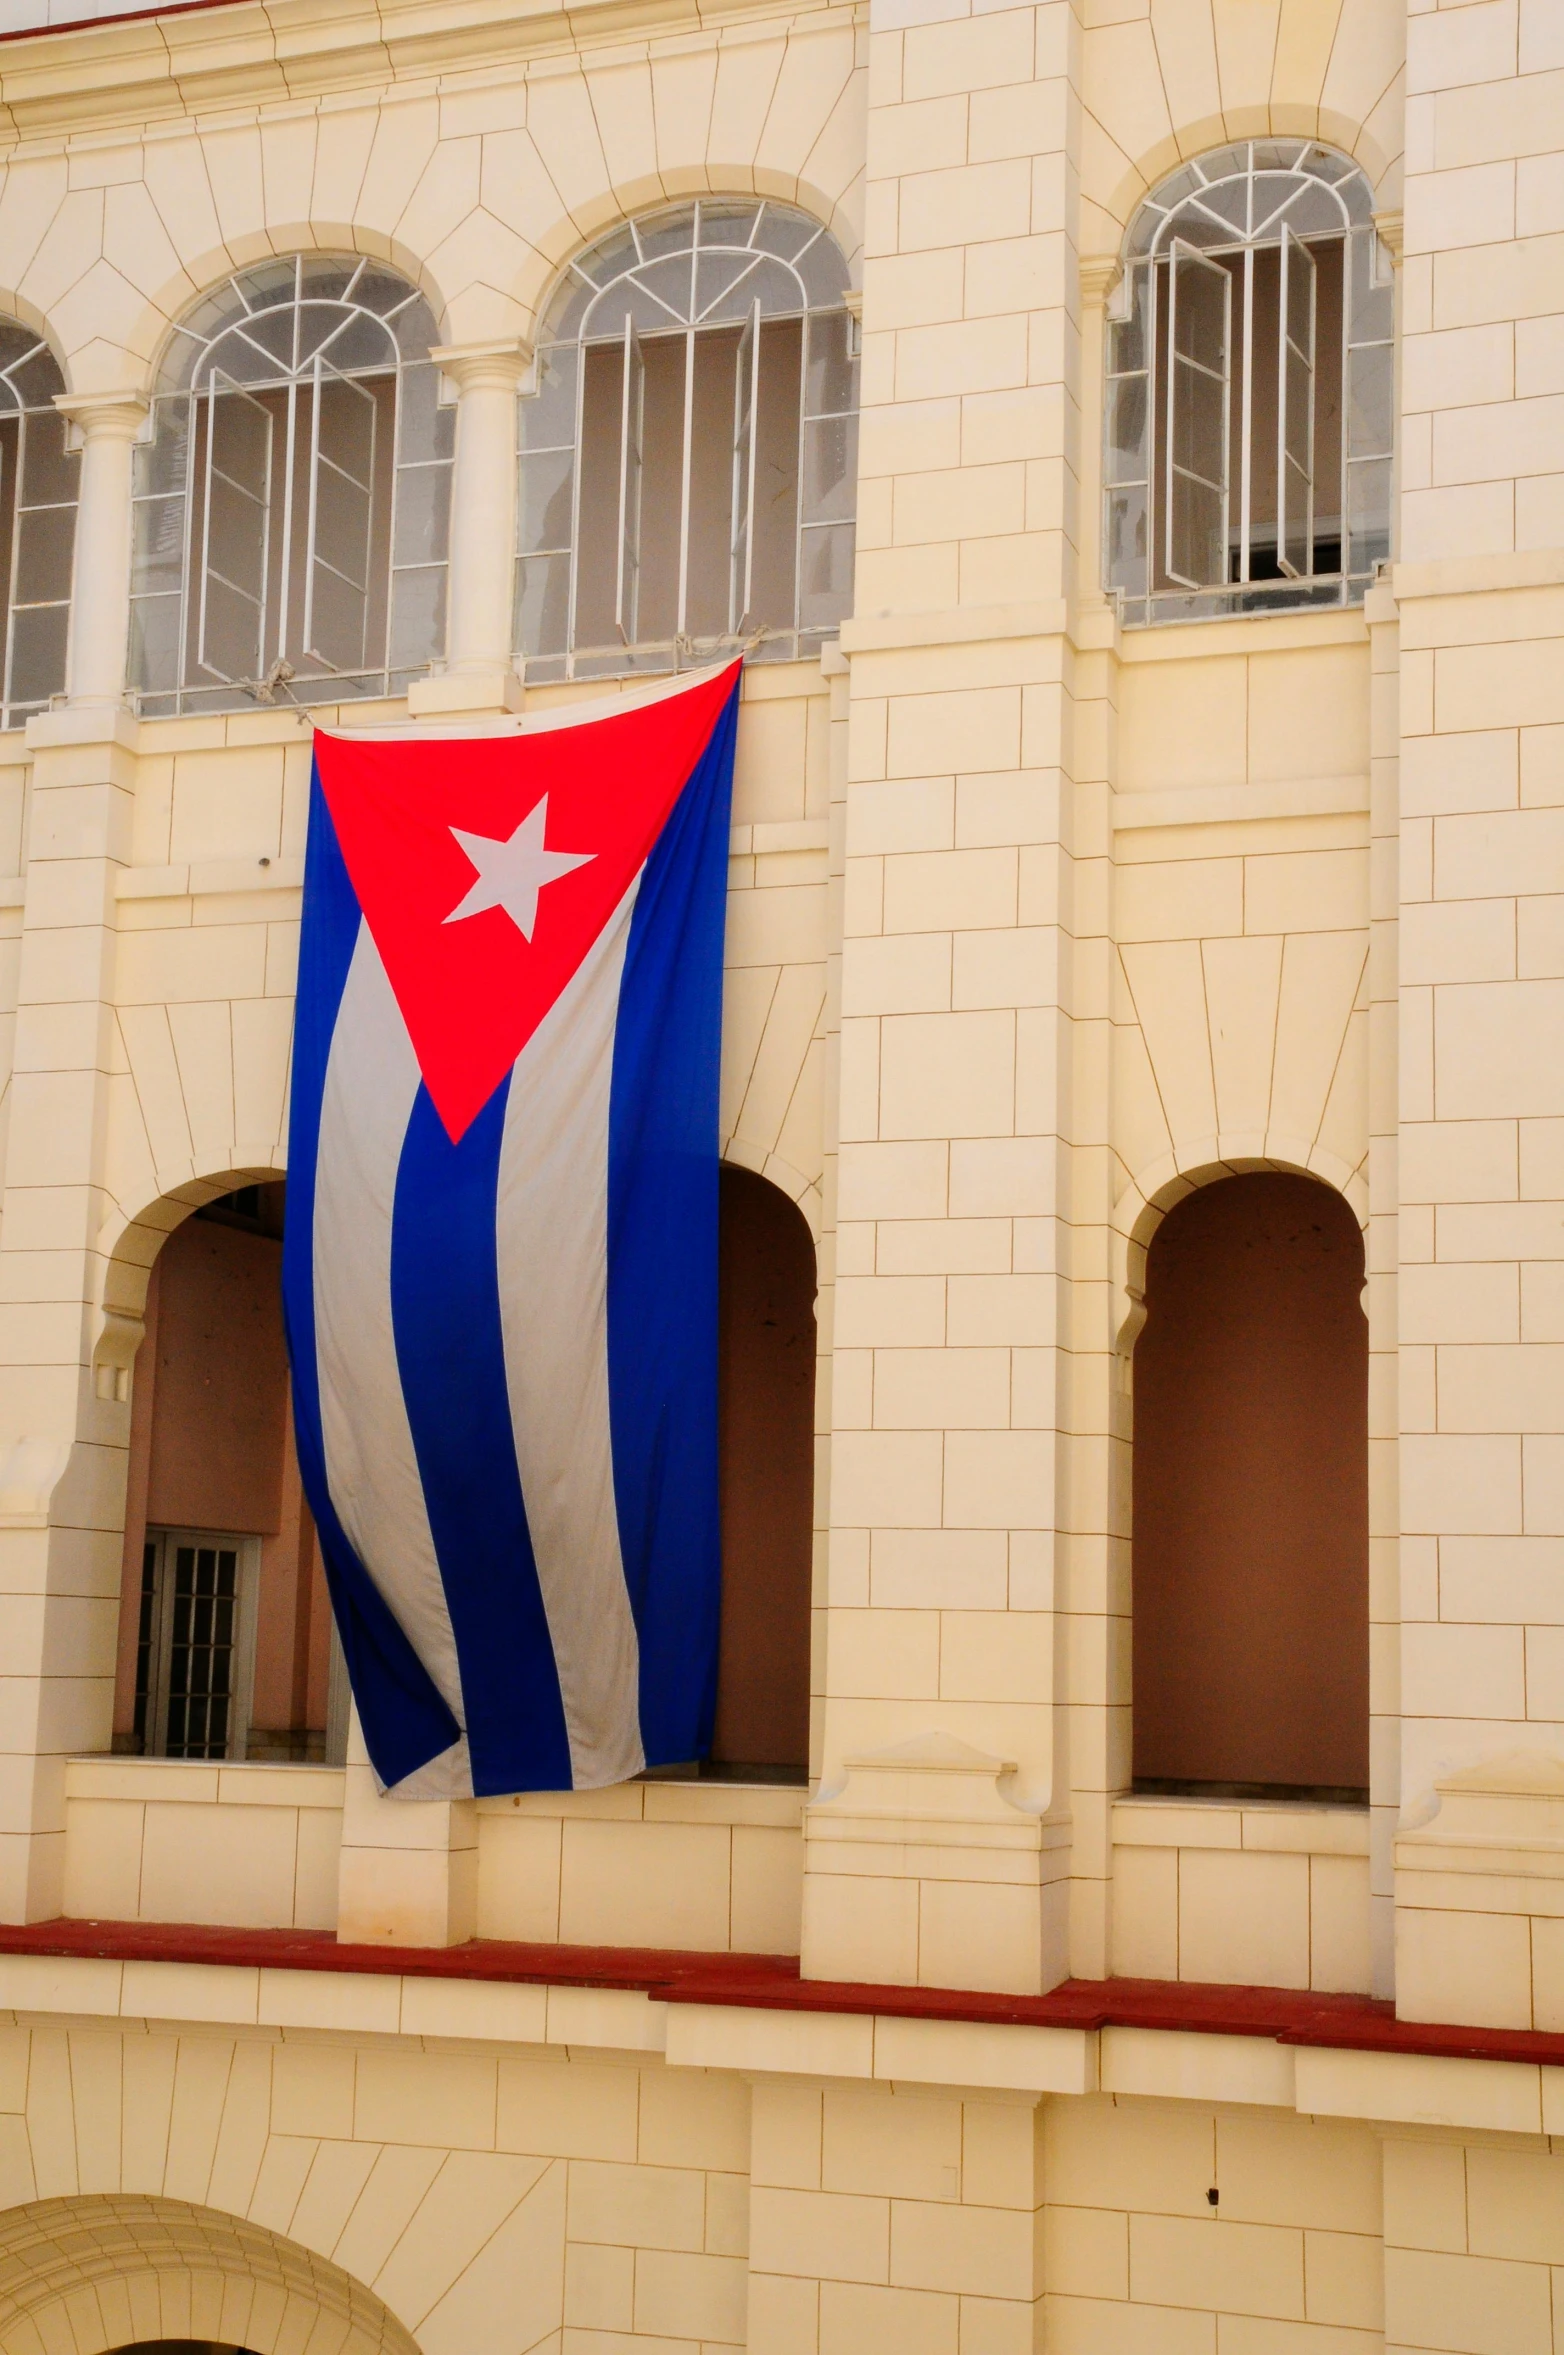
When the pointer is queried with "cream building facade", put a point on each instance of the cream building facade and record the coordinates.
(1047, 914)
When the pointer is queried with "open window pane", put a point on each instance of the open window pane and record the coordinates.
(1199, 321)
(1295, 410)
(341, 514)
(235, 532)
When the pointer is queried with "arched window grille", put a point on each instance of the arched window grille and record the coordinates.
(1249, 389)
(292, 503)
(39, 479)
(689, 459)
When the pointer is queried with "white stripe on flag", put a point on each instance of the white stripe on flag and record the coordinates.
(372, 1080)
(552, 1222)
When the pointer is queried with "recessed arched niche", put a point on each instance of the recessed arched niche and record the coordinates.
(1250, 1528)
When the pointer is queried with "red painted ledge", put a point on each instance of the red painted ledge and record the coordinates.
(771, 1982)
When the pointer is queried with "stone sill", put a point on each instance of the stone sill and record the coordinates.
(1242, 634)
(199, 1782)
(270, 1783)
(777, 1805)
(1225, 805)
(1277, 1827)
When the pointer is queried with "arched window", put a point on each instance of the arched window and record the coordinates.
(766, 1311)
(225, 1629)
(1250, 1530)
(1249, 389)
(689, 460)
(39, 477)
(292, 504)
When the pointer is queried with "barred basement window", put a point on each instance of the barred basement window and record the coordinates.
(1249, 389)
(292, 505)
(689, 459)
(39, 479)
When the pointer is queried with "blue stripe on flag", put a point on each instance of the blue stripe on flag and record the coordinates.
(445, 1308)
(405, 1721)
(662, 1257)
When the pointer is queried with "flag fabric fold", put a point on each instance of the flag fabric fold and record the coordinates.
(500, 1259)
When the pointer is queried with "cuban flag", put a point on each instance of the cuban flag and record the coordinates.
(500, 1264)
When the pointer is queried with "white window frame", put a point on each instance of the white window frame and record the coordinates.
(275, 330)
(30, 376)
(164, 1542)
(633, 265)
(1296, 259)
(222, 389)
(1191, 377)
(1289, 197)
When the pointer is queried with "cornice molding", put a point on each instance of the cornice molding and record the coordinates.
(161, 71)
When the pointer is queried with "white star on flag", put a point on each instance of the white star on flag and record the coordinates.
(511, 874)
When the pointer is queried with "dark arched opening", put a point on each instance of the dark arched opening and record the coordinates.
(767, 1389)
(225, 1628)
(1250, 1545)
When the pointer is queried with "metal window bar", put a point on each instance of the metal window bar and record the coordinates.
(746, 407)
(1296, 313)
(632, 415)
(687, 446)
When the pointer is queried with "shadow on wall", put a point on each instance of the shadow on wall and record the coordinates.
(1250, 1545)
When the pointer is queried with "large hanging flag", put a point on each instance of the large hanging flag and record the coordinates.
(500, 1265)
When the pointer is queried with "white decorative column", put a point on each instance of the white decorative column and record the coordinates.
(478, 677)
(108, 424)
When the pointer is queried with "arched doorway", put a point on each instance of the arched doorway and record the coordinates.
(1250, 1527)
(225, 1644)
(766, 1311)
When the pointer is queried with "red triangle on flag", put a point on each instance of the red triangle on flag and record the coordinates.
(487, 866)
